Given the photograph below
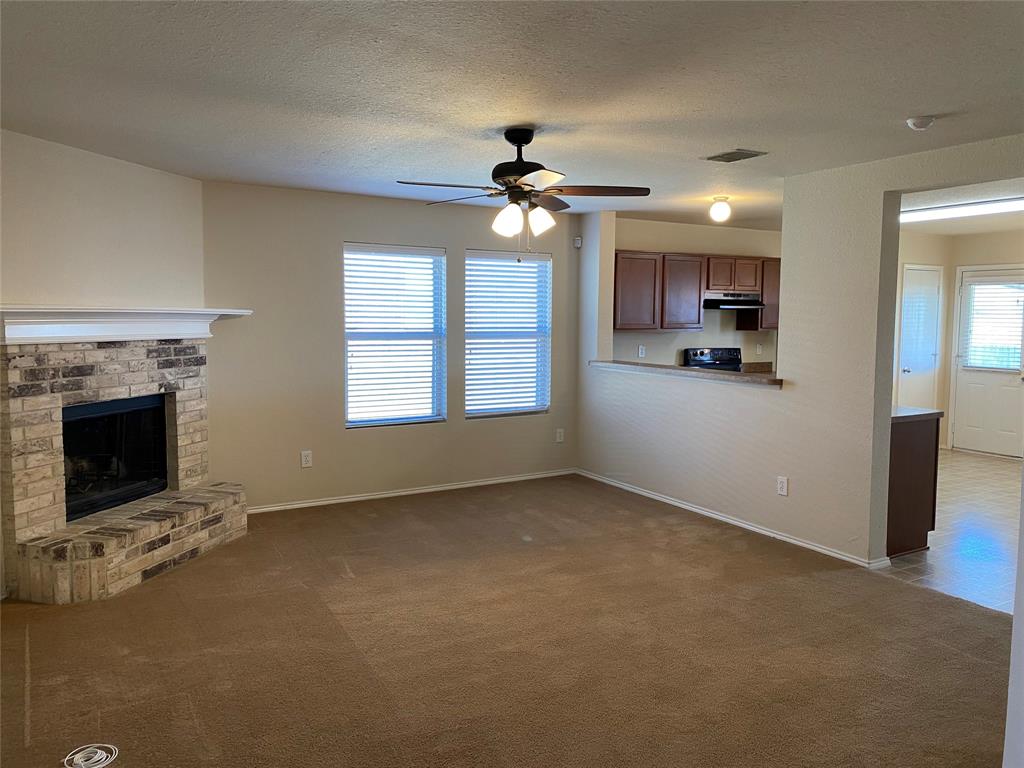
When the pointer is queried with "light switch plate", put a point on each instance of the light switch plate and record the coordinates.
(641, 351)
(559, 435)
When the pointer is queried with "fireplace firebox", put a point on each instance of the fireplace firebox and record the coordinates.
(114, 452)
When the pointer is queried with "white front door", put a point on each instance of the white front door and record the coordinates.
(919, 336)
(988, 412)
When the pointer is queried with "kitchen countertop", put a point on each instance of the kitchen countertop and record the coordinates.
(906, 413)
(757, 378)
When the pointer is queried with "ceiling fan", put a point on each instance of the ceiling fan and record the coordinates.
(525, 182)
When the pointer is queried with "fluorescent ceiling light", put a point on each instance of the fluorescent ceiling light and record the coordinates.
(961, 211)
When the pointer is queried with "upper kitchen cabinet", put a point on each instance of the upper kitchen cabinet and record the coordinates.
(721, 274)
(766, 318)
(771, 270)
(748, 275)
(637, 290)
(682, 291)
(730, 274)
(655, 291)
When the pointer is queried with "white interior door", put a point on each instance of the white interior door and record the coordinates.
(920, 314)
(988, 410)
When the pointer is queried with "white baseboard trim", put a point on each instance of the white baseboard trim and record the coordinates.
(863, 562)
(408, 491)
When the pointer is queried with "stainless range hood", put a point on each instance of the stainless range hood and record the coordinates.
(726, 300)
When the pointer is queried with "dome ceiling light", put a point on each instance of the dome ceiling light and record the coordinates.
(720, 209)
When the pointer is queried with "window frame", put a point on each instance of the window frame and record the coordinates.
(481, 253)
(439, 334)
(965, 331)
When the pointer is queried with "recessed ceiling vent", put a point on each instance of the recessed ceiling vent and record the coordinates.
(735, 155)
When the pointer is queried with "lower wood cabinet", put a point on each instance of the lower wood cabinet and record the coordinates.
(913, 477)
(682, 291)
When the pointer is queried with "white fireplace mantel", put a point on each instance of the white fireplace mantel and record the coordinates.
(23, 324)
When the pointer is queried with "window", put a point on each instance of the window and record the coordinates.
(394, 335)
(993, 322)
(508, 333)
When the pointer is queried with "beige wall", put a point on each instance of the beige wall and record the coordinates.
(81, 229)
(989, 248)
(719, 327)
(276, 377)
(950, 252)
(721, 446)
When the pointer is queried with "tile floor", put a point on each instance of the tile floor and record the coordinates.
(973, 549)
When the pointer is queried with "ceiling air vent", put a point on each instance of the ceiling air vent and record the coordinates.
(734, 155)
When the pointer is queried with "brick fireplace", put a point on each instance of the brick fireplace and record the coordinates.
(48, 558)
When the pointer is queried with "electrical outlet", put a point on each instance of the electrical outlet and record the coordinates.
(641, 351)
(559, 435)
(782, 485)
(305, 459)
(760, 348)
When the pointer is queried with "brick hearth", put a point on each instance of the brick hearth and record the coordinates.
(37, 381)
(106, 553)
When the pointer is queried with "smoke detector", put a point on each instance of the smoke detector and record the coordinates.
(920, 123)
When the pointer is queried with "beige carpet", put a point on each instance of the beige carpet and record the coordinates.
(550, 623)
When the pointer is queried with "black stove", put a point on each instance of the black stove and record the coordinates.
(715, 358)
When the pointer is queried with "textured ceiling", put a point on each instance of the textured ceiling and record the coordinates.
(352, 96)
(972, 193)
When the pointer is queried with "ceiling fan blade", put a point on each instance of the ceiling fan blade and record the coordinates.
(456, 199)
(549, 202)
(455, 186)
(599, 191)
(540, 179)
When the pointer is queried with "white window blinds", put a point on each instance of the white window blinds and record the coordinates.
(508, 332)
(992, 325)
(394, 334)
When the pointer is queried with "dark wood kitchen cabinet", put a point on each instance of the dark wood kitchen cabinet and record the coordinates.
(637, 290)
(768, 317)
(726, 273)
(659, 291)
(771, 272)
(748, 275)
(682, 291)
(721, 274)
(913, 479)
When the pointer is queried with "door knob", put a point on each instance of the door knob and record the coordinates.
(905, 370)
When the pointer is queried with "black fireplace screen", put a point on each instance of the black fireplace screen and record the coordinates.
(114, 452)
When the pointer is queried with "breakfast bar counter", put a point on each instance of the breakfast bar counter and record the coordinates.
(750, 377)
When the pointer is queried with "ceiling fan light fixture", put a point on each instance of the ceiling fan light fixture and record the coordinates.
(540, 220)
(509, 221)
(720, 209)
